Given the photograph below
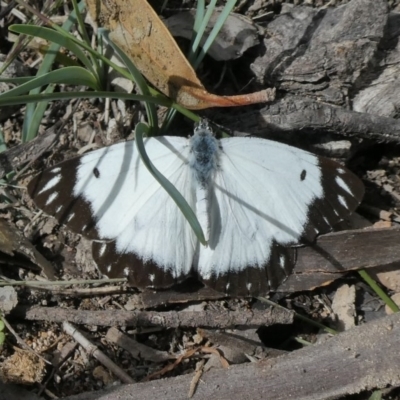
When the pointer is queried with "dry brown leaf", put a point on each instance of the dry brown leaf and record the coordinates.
(172, 366)
(212, 350)
(138, 31)
(189, 353)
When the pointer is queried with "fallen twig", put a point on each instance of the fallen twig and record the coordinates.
(96, 353)
(169, 319)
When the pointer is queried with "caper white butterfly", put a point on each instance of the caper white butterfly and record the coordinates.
(255, 199)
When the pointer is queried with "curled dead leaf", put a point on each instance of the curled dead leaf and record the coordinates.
(138, 31)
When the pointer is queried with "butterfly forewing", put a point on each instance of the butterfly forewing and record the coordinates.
(109, 195)
(262, 199)
(52, 191)
(343, 192)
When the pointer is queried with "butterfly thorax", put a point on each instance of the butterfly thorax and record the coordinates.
(203, 154)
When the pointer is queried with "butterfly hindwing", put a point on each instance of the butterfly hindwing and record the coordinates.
(254, 280)
(116, 264)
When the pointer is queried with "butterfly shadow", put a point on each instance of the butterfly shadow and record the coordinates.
(325, 254)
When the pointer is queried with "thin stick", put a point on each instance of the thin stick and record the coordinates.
(96, 353)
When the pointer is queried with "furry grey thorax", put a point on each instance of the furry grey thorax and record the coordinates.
(204, 149)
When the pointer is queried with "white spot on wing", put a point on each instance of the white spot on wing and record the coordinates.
(282, 261)
(175, 273)
(51, 198)
(108, 268)
(249, 286)
(227, 286)
(126, 271)
(55, 170)
(152, 277)
(58, 209)
(70, 217)
(342, 201)
(342, 184)
(51, 183)
(341, 170)
(84, 227)
(206, 275)
(102, 250)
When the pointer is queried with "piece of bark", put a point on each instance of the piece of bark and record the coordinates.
(15, 249)
(151, 298)
(382, 95)
(19, 155)
(322, 52)
(344, 308)
(10, 391)
(284, 119)
(169, 319)
(389, 278)
(360, 359)
(8, 299)
(338, 252)
(320, 59)
(137, 350)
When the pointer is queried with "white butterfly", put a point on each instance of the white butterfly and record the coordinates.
(254, 198)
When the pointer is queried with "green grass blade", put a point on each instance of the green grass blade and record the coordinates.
(199, 17)
(200, 24)
(213, 34)
(3, 146)
(67, 75)
(17, 81)
(31, 98)
(82, 27)
(28, 131)
(38, 114)
(200, 11)
(57, 38)
(378, 290)
(203, 26)
(377, 395)
(167, 185)
(155, 97)
(137, 78)
(86, 47)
